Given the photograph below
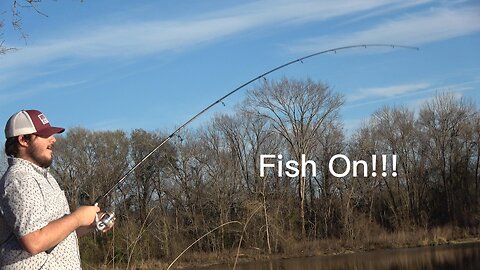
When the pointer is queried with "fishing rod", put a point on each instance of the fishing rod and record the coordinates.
(105, 221)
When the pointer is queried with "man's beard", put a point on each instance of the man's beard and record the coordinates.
(41, 161)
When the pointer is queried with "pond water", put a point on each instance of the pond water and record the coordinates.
(464, 256)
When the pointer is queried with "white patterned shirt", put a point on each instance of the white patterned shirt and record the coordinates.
(30, 198)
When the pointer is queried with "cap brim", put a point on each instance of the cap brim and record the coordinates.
(49, 131)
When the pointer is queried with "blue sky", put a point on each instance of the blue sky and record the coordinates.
(107, 65)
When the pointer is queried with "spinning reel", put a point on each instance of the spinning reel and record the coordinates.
(105, 221)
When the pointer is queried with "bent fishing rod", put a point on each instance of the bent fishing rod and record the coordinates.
(124, 177)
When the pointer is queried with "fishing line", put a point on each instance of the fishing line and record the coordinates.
(220, 100)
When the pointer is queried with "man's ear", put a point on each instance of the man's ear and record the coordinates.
(23, 141)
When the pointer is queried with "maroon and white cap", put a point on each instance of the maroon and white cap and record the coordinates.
(30, 122)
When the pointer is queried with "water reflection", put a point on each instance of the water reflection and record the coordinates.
(465, 256)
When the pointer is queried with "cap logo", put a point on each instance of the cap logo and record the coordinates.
(43, 119)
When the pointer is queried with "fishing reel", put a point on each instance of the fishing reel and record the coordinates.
(105, 221)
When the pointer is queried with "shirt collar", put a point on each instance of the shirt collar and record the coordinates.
(21, 161)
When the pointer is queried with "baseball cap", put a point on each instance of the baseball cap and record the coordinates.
(30, 122)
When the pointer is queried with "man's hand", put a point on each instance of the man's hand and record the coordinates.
(85, 215)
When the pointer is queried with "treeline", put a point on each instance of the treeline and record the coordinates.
(210, 176)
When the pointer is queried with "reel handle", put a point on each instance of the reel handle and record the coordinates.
(105, 221)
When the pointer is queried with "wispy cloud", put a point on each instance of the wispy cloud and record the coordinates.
(387, 91)
(386, 10)
(142, 38)
(364, 97)
(420, 28)
(419, 95)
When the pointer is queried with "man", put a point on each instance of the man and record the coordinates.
(37, 230)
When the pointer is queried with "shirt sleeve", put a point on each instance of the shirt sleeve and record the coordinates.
(23, 205)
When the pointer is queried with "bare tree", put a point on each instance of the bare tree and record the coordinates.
(210, 176)
(297, 110)
(444, 121)
(324, 187)
(88, 163)
(248, 136)
(14, 17)
(397, 133)
(144, 177)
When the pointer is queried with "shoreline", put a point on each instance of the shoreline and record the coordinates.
(250, 258)
(197, 260)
